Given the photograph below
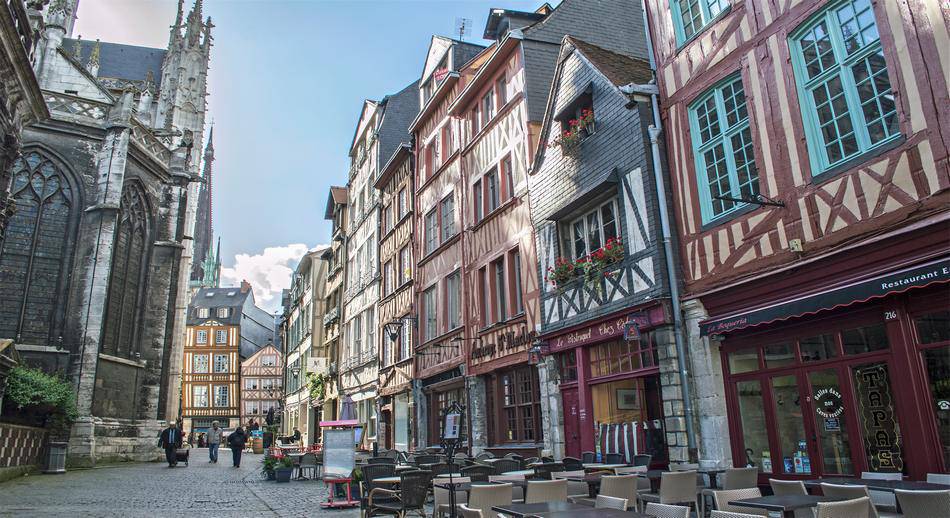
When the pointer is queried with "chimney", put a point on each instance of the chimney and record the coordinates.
(245, 286)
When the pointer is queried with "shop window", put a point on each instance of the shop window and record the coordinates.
(937, 362)
(847, 102)
(743, 360)
(830, 422)
(622, 356)
(864, 339)
(933, 328)
(632, 404)
(779, 355)
(755, 436)
(567, 362)
(817, 348)
(520, 405)
(791, 428)
(878, 418)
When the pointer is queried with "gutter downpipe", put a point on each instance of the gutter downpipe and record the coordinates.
(655, 130)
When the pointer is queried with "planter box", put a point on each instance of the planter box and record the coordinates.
(283, 474)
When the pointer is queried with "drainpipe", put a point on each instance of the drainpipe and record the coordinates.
(655, 130)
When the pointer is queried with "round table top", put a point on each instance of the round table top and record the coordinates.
(598, 465)
(520, 472)
(447, 475)
(387, 480)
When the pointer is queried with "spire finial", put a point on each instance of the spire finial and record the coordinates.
(181, 13)
(94, 57)
(77, 49)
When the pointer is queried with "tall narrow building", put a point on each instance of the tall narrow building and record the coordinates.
(206, 263)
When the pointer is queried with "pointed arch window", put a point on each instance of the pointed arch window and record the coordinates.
(128, 274)
(37, 250)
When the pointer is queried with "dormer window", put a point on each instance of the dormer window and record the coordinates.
(203, 313)
(223, 312)
(575, 120)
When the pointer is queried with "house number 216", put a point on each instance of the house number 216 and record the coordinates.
(890, 315)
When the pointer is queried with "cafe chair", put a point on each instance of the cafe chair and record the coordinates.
(730, 514)
(574, 489)
(543, 471)
(734, 478)
(722, 498)
(539, 491)
(370, 473)
(610, 502)
(444, 468)
(485, 455)
(857, 508)
(381, 460)
(787, 487)
(883, 500)
(531, 460)
(588, 457)
(517, 491)
(502, 466)
(308, 464)
(850, 492)
(938, 478)
(477, 472)
(676, 487)
(642, 460)
(643, 483)
(572, 464)
(467, 512)
(441, 498)
(428, 459)
(614, 458)
(920, 504)
(667, 511)
(485, 497)
(409, 498)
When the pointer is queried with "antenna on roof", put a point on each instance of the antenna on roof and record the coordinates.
(464, 27)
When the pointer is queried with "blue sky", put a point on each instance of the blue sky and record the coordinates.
(287, 82)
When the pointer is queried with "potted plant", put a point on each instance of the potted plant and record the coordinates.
(577, 130)
(563, 271)
(43, 400)
(269, 465)
(284, 469)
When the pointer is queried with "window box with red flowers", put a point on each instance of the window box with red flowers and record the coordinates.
(574, 131)
(592, 268)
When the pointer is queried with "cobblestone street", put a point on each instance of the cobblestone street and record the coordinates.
(152, 489)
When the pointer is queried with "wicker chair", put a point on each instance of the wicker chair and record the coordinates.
(478, 472)
(572, 464)
(787, 487)
(381, 460)
(848, 492)
(444, 468)
(588, 457)
(539, 491)
(467, 512)
(667, 511)
(486, 496)
(723, 497)
(502, 466)
(409, 498)
(857, 508)
(614, 458)
(740, 478)
(938, 478)
(882, 499)
(485, 455)
(609, 502)
(543, 471)
(531, 460)
(727, 514)
(676, 487)
(370, 473)
(574, 489)
(642, 460)
(918, 504)
(441, 499)
(428, 459)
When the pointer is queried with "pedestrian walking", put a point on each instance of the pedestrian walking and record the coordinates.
(214, 440)
(236, 441)
(170, 439)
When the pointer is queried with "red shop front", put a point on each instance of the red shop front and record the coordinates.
(851, 378)
(610, 384)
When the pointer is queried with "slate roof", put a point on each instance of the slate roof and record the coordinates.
(620, 70)
(463, 52)
(400, 109)
(337, 196)
(120, 61)
(214, 298)
(615, 25)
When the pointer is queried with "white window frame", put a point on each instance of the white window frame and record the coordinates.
(199, 396)
(226, 364)
(252, 383)
(224, 312)
(569, 244)
(204, 312)
(453, 299)
(430, 305)
(201, 337)
(218, 334)
(196, 366)
(219, 391)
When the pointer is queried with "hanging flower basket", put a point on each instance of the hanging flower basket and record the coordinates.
(592, 268)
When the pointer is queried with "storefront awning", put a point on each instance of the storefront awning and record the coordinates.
(843, 295)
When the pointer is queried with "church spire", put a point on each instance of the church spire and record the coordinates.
(174, 34)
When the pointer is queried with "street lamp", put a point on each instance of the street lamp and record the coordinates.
(394, 326)
(538, 350)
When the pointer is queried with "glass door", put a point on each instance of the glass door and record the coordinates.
(790, 408)
(830, 423)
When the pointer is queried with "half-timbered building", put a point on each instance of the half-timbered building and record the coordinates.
(604, 296)
(333, 288)
(436, 253)
(808, 148)
(262, 376)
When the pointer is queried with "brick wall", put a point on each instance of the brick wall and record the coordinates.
(21, 445)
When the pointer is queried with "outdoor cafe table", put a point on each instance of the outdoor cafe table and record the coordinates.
(561, 510)
(462, 486)
(404, 467)
(655, 475)
(598, 465)
(785, 504)
(448, 475)
(387, 480)
(524, 472)
(878, 485)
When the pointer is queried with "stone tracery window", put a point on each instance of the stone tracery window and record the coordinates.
(36, 251)
(128, 274)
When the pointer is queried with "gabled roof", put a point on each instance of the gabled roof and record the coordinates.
(399, 110)
(337, 196)
(368, 105)
(119, 61)
(214, 298)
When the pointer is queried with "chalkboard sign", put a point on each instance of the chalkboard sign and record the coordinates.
(338, 453)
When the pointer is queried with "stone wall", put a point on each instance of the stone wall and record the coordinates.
(21, 449)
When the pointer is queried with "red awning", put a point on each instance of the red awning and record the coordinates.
(850, 292)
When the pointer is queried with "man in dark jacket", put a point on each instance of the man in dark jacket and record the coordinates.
(170, 440)
(236, 441)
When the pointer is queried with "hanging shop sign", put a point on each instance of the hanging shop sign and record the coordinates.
(602, 331)
(492, 346)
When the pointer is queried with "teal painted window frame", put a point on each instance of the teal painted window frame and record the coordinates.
(842, 69)
(725, 136)
(706, 16)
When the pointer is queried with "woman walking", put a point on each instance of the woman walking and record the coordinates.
(236, 442)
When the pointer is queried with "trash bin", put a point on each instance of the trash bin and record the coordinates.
(56, 457)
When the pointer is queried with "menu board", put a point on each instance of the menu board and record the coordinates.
(339, 455)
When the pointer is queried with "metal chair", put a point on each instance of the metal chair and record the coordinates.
(642, 460)
(574, 489)
(676, 487)
(728, 514)
(502, 466)
(477, 472)
(409, 498)
(441, 499)
(308, 463)
(723, 497)
(381, 460)
(572, 463)
(614, 458)
(609, 502)
(919, 504)
(485, 455)
(486, 496)
(539, 491)
(667, 511)
(857, 508)
(849, 492)
(517, 491)
(938, 478)
(588, 457)
(543, 471)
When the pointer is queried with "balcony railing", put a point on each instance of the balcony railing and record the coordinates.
(66, 104)
(331, 316)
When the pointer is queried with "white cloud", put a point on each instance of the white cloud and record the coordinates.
(268, 272)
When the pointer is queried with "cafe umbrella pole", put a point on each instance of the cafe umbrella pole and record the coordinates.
(450, 438)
